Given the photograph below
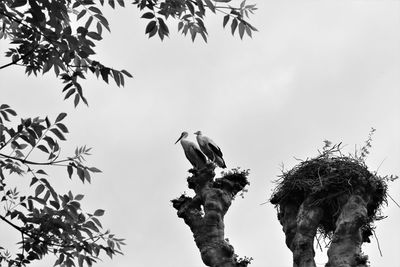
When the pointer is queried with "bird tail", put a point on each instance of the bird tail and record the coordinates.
(220, 162)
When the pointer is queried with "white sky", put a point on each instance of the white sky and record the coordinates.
(315, 70)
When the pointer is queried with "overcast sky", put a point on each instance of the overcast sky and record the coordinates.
(316, 70)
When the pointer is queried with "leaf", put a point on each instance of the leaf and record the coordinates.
(39, 189)
(83, 54)
(47, 122)
(58, 134)
(111, 3)
(248, 31)
(180, 26)
(163, 26)
(49, 141)
(79, 197)
(103, 21)
(76, 100)
(127, 73)
(226, 19)
(190, 7)
(4, 106)
(81, 14)
(10, 111)
(150, 26)
(43, 148)
(95, 10)
(4, 114)
(60, 258)
(99, 212)
(204, 36)
(88, 22)
(99, 28)
(81, 174)
(87, 175)
(91, 226)
(41, 172)
(201, 7)
(62, 127)
(70, 170)
(34, 180)
(234, 25)
(60, 117)
(241, 29)
(46, 196)
(210, 5)
(116, 77)
(94, 169)
(96, 221)
(69, 93)
(94, 35)
(148, 15)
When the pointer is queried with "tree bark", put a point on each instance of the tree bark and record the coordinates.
(345, 249)
(308, 219)
(204, 214)
(300, 226)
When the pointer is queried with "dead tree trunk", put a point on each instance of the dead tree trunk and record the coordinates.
(204, 214)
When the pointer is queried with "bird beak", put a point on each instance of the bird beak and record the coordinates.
(179, 139)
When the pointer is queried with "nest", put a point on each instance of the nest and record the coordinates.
(329, 181)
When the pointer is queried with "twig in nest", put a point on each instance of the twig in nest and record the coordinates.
(394, 201)
(377, 242)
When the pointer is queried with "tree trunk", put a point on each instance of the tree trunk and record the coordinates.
(308, 219)
(345, 249)
(300, 226)
(204, 214)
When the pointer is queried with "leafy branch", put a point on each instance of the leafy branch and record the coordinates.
(191, 14)
(48, 222)
(44, 39)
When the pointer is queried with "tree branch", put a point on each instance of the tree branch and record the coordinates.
(24, 161)
(14, 62)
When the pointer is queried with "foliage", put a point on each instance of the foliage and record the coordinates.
(48, 222)
(191, 13)
(45, 36)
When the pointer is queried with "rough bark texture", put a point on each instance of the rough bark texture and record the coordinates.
(204, 214)
(300, 226)
(345, 249)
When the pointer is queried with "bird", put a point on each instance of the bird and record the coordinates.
(192, 152)
(210, 148)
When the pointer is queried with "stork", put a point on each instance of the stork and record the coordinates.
(192, 152)
(212, 151)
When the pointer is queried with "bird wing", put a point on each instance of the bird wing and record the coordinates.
(198, 157)
(215, 149)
